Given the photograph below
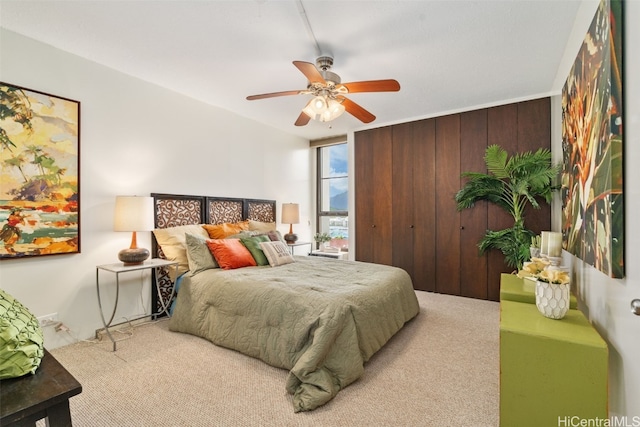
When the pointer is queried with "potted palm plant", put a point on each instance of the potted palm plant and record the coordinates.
(511, 183)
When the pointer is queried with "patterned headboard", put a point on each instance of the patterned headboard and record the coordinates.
(172, 210)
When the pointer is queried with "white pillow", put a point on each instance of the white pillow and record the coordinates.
(277, 253)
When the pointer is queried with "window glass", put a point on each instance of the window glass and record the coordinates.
(333, 194)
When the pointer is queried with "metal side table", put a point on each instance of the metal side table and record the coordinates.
(118, 269)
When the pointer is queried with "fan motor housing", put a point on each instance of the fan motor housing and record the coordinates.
(324, 64)
(330, 77)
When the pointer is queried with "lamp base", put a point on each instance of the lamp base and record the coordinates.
(290, 238)
(133, 256)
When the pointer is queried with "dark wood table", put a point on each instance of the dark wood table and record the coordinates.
(45, 394)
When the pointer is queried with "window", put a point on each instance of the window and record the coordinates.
(333, 194)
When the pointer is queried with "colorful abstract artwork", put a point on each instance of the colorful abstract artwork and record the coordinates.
(592, 144)
(39, 175)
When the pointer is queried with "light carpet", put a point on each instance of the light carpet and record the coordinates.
(441, 369)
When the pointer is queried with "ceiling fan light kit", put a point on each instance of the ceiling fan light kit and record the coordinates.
(329, 100)
(324, 108)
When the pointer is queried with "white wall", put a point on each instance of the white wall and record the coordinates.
(138, 138)
(607, 301)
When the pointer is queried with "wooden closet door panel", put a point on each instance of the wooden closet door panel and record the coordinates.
(424, 205)
(382, 207)
(364, 195)
(403, 202)
(373, 212)
(441, 148)
(502, 129)
(447, 216)
(534, 132)
(473, 222)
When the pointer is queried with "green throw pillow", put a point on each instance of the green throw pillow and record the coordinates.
(21, 339)
(253, 244)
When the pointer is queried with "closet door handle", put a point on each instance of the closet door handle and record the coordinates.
(373, 226)
(411, 226)
(635, 307)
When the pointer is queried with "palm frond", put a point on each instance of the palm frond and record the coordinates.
(480, 187)
(495, 158)
(513, 242)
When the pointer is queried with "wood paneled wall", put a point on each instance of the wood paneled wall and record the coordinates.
(406, 177)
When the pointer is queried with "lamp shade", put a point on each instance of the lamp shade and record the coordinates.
(133, 213)
(290, 213)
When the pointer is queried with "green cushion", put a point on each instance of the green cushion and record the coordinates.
(21, 339)
(198, 254)
(253, 244)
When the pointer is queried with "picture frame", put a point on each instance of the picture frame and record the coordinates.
(592, 143)
(39, 174)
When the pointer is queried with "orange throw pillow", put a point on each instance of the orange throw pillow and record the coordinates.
(220, 231)
(230, 253)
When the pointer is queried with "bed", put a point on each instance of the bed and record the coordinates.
(321, 319)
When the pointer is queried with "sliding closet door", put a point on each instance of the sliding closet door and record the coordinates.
(534, 128)
(424, 206)
(413, 184)
(502, 130)
(447, 217)
(373, 195)
(402, 228)
(473, 222)
(525, 126)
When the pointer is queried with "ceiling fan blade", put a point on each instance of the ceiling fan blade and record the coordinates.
(310, 71)
(388, 85)
(274, 94)
(302, 120)
(356, 111)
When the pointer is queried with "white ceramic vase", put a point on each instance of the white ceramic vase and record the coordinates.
(535, 252)
(553, 300)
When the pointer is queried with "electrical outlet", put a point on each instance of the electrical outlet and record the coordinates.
(48, 320)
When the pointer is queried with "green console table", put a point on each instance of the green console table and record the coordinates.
(513, 288)
(551, 371)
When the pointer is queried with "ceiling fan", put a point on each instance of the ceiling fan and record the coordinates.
(329, 94)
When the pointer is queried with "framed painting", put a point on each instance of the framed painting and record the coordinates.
(592, 146)
(40, 173)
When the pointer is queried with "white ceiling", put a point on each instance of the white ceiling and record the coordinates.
(447, 55)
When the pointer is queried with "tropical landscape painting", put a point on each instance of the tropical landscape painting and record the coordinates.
(39, 175)
(592, 145)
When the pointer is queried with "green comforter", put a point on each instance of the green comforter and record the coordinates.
(321, 319)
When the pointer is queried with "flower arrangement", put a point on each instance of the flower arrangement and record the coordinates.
(557, 277)
(537, 269)
(533, 268)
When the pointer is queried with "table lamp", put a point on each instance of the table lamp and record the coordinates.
(290, 215)
(133, 213)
